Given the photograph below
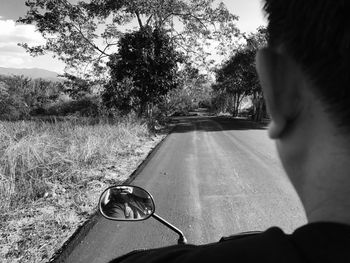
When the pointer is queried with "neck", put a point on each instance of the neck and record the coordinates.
(325, 192)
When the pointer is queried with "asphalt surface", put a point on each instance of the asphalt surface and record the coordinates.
(212, 177)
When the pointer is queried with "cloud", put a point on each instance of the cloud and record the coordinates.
(12, 33)
(11, 61)
(8, 48)
(23, 60)
(11, 55)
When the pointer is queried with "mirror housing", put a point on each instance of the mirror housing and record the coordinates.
(126, 203)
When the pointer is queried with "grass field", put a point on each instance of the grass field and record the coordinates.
(51, 175)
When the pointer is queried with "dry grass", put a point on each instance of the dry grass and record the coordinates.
(51, 175)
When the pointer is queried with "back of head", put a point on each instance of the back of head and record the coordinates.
(316, 34)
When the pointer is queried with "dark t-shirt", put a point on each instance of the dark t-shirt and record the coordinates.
(312, 243)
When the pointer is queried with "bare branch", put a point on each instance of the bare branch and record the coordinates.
(139, 19)
(89, 42)
(149, 19)
(78, 28)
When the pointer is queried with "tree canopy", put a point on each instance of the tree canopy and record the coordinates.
(85, 34)
(237, 77)
(143, 71)
(21, 96)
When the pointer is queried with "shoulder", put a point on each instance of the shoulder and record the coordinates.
(272, 245)
(269, 246)
(323, 242)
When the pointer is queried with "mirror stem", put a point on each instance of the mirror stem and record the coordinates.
(182, 239)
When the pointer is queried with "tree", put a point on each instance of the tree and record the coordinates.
(78, 87)
(71, 30)
(21, 96)
(237, 78)
(192, 91)
(257, 39)
(254, 42)
(143, 71)
(195, 84)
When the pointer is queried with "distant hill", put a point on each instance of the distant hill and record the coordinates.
(33, 73)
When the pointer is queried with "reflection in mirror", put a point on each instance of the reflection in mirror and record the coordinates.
(126, 203)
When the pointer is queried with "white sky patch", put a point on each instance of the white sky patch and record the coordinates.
(250, 13)
(14, 61)
(11, 55)
(12, 33)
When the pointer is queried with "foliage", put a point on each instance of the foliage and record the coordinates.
(237, 79)
(21, 96)
(144, 70)
(192, 91)
(258, 39)
(68, 29)
(87, 106)
(86, 35)
(71, 30)
(177, 101)
(195, 84)
(77, 87)
(255, 41)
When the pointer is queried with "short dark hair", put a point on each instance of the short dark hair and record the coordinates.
(316, 34)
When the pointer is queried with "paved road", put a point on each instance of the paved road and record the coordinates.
(211, 177)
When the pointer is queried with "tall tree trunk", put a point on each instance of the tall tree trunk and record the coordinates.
(258, 102)
(238, 102)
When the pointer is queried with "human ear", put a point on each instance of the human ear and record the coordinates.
(280, 81)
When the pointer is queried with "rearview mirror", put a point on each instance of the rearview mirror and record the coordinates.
(126, 203)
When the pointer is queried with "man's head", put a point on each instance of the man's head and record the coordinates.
(305, 75)
(316, 34)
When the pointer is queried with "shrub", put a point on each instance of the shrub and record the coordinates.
(88, 106)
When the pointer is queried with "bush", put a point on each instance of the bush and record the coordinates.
(205, 104)
(88, 106)
(21, 97)
(178, 101)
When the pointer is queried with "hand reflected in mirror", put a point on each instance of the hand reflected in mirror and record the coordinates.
(126, 203)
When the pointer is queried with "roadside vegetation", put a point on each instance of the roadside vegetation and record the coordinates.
(237, 81)
(51, 175)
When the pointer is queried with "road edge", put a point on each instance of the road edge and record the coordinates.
(71, 243)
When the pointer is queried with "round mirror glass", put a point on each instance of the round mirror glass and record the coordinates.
(126, 203)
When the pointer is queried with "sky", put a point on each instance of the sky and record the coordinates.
(11, 33)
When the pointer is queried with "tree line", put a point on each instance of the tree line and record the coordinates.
(21, 97)
(161, 66)
(237, 79)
